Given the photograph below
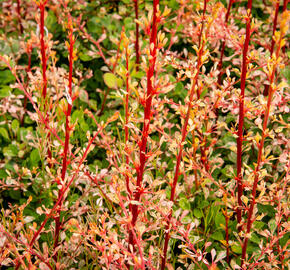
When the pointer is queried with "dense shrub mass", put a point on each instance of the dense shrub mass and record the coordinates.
(144, 134)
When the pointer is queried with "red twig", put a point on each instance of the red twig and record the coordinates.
(242, 114)
(43, 49)
(28, 69)
(180, 152)
(137, 36)
(220, 65)
(96, 43)
(202, 23)
(108, 89)
(58, 223)
(29, 97)
(48, 216)
(44, 63)
(260, 151)
(127, 118)
(227, 233)
(266, 90)
(19, 16)
(147, 118)
(28, 248)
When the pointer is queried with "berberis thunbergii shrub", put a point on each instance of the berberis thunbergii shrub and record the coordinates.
(144, 134)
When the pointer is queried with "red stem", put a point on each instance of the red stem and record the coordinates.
(260, 152)
(203, 147)
(266, 90)
(137, 36)
(194, 158)
(28, 248)
(179, 156)
(284, 8)
(58, 223)
(220, 65)
(227, 236)
(202, 24)
(28, 69)
(147, 118)
(36, 234)
(107, 90)
(19, 17)
(44, 62)
(127, 119)
(43, 50)
(285, 3)
(274, 26)
(96, 43)
(242, 114)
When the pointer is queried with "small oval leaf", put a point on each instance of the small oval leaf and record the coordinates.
(110, 80)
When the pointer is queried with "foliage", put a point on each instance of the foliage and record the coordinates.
(144, 134)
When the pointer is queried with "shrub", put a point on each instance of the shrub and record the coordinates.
(144, 134)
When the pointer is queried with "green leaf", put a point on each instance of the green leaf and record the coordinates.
(268, 209)
(84, 57)
(6, 76)
(110, 80)
(10, 151)
(203, 204)
(23, 133)
(179, 87)
(138, 75)
(258, 224)
(236, 248)
(184, 204)
(77, 116)
(197, 213)
(84, 97)
(180, 27)
(203, 93)
(94, 25)
(218, 235)
(219, 220)
(15, 194)
(286, 73)
(119, 82)
(128, 21)
(4, 133)
(84, 126)
(186, 220)
(285, 239)
(73, 198)
(255, 238)
(93, 104)
(3, 174)
(34, 157)
(5, 91)
(272, 225)
(15, 125)
(51, 21)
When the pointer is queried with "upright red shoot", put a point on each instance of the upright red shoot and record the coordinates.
(43, 48)
(19, 17)
(242, 113)
(220, 65)
(137, 36)
(180, 150)
(58, 223)
(202, 23)
(266, 90)
(147, 118)
(272, 67)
